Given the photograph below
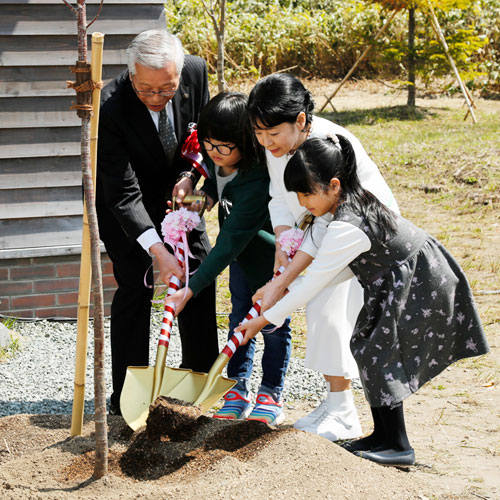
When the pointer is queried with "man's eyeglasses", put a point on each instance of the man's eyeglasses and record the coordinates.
(223, 149)
(151, 93)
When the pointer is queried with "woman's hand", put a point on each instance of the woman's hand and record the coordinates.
(178, 300)
(269, 294)
(251, 328)
(280, 257)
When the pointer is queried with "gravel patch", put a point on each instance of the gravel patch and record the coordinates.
(39, 378)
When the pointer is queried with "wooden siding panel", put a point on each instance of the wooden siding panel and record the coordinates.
(35, 112)
(57, 51)
(59, 20)
(22, 173)
(47, 202)
(33, 142)
(29, 233)
(42, 81)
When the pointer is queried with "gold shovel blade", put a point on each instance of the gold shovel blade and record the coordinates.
(194, 385)
(137, 393)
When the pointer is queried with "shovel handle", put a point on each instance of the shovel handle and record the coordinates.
(234, 342)
(169, 311)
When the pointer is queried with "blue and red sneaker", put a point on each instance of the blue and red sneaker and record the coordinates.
(236, 406)
(267, 410)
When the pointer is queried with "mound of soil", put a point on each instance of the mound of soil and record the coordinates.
(215, 459)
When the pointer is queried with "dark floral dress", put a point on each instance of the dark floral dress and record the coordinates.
(418, 315)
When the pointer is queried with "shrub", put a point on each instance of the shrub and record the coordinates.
(324, 38)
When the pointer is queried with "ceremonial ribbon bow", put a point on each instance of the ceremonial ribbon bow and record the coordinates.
(191, 151)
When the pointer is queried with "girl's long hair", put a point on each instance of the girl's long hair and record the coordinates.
(279, 98)
(225, 118)
(317, 161)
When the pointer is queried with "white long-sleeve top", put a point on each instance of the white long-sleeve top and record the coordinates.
(342, 243)
(284, 207)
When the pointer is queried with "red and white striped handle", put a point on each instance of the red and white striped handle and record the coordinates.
(169, 311)
(234, 342)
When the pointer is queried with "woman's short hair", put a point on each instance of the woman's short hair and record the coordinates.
(155, 49)
(279, 98)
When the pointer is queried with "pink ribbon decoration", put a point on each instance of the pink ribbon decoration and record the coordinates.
(174, 228)
(191, 151)
(169, 310)
(290, 241)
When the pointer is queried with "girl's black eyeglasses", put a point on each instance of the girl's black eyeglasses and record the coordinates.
(223, 149)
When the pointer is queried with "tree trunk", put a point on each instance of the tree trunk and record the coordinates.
(84, 110)
(411, 57)
(219, 23)
(220, 46)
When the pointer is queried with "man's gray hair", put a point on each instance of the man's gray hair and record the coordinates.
(155, 49)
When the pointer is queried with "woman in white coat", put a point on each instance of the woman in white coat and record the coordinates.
(280, 108)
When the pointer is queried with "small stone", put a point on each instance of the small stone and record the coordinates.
(5, 336)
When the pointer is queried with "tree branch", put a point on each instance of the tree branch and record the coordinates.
(70, 6)
(211, 15)
(96, 16)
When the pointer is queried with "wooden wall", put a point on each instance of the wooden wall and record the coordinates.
(40, 176)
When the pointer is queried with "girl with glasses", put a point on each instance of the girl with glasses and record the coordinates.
(239, 182)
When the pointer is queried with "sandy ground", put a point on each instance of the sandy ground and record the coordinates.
(453, 424)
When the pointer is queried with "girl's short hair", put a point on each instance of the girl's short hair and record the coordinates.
(224, 118)
(279, 98)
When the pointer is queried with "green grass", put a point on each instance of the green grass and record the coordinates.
(15, 344)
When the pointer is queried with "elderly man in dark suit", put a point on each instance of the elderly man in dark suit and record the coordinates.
(144, 117)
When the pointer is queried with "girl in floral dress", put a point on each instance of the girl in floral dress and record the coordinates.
(418, 315)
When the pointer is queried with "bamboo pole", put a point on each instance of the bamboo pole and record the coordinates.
(441, 38)
(360, 58)
(85, 267)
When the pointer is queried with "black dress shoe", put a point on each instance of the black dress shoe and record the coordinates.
(389, 457)
(115, 410)
(356, 445)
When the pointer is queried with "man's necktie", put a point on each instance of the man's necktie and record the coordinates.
(167, 134)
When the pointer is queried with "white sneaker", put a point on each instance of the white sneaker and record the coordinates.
(309, 419)
(339, 420)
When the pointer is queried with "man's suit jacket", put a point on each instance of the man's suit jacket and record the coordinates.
(134, 179)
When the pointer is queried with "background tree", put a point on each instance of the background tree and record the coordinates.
(411, 58)
(216, 11)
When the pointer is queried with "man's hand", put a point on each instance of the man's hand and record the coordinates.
(167, 263)
(181, 189)
(251, 328)
(179, 300)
